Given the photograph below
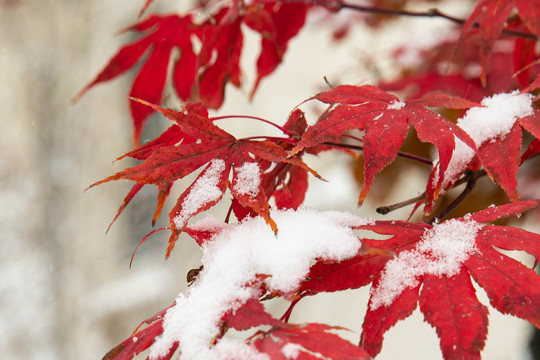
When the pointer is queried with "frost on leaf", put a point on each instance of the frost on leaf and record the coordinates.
(492, 128)
(248, 179)
(235, 257)
(433, 267)
(440, 252)
(205, 190)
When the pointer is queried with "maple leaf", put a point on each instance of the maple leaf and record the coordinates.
(195, 141)
(200, 74)
(385, 121)
(433, 266)
(496, 131)
(277, 22)
(489, 18)
(163, 34)
(141, 340)
(443, 258)
(308, 341)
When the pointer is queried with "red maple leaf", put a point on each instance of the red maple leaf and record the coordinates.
(385, 121)
(307, 341)
(489, 18)
(195, 141)
(433, 266)
(304, 341)
(200, 74)
(499, 153)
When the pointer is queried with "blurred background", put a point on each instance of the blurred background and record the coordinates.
(66, 289)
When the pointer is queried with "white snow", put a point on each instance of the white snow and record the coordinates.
(232, 260)
(396, 105)
(440, 252)
(204, 190)
(291, 350)
(248, 179)
(495, 119)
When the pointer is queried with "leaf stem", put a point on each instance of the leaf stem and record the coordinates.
(383, 210)
(470, 179)
(282, 129)
(276, 138)
(400, 154)
(430, 13)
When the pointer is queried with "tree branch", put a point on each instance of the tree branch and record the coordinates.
(400, 154)
(430, 13)
(470, 178)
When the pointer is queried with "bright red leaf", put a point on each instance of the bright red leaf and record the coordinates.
(442, 258)
(385, 121)
(309, 341)
(196, 141)
(200, 74)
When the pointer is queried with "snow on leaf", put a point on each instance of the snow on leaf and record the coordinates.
(248, 179)
(205, 191)
(195, 141)
(442, 259)
(386, 122)
(233, 259)
(440, 252)
(493, 128)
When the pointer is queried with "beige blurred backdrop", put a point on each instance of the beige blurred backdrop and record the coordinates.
(66, 290)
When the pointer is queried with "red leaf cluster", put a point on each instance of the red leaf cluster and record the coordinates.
(200, 75)
(429, 264)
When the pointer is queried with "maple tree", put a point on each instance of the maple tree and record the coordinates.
(482, 122)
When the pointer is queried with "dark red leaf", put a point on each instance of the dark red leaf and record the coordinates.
(385, 121)
(488, 18)
(378, 321)
(501, 158)
(287, 20)
(503, 211)
(511, 287)
(463, 327)
(314, 341)
(249, 315)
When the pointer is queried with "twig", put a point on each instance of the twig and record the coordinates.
(430, 13)
(383, 210)
(400, 154)
(470, 178)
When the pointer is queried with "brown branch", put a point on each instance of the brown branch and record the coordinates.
(400, 154)
(470, 178)
(383, 210)
(430, 13)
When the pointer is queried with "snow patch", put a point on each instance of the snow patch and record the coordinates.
(495, 119)
(291, 350)
(396, 105)
(440, 252)
(203, 191)
(233, 259)
(248, 179)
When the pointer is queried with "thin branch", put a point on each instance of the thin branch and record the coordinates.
(430, 13)
(383, 210)
(470, 179)
(282, 129)
(275, 138)
(400, 154)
